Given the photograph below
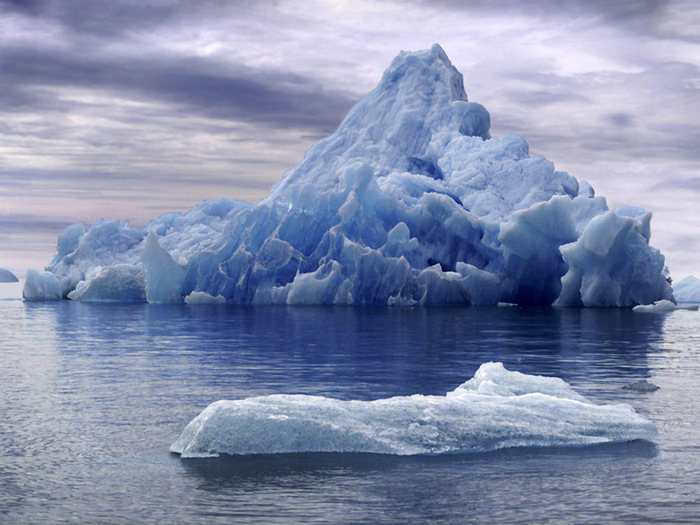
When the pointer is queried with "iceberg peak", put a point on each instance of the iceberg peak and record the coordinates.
(402, 124)
(409, 202)
(425, 73)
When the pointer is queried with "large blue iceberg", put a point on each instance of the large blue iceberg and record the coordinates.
(495, 409)
(409, 202)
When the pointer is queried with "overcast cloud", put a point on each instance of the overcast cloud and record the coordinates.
(128, 109)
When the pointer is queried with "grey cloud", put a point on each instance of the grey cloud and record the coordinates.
(640, 15)
(31, 7)
(260, 96)
(687, 184)
(620, 120)
(34, 223)
(612, 10)
(640, 115)
(684, 243)
(110, 18)
(544, 97)
(619, 143)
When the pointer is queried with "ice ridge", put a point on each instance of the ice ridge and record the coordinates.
(409, 202)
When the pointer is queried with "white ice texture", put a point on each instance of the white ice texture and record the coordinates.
(687, 290)
(409, 202)
(494, 410)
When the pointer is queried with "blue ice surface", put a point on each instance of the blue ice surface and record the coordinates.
(409, 202)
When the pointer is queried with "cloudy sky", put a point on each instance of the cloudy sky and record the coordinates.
(130, 108)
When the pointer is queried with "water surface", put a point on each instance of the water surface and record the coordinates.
(92, 396)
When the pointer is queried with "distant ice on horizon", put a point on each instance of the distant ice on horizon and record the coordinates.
(687, 290)
(409, 202)
(6, 276)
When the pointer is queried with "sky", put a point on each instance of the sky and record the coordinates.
(132, 108)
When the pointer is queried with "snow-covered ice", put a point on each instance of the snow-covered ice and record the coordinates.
(495, 409)
(687, 290)
(6, 276)
(409, 202)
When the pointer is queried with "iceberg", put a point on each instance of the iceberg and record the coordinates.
(410, 202)
(687, 290)
(6, 276)
(495, 409)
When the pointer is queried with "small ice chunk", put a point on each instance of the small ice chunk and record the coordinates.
(204, 298)
(641, 385)
(662, 306)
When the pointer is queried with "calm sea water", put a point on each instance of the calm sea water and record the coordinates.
(92, 396)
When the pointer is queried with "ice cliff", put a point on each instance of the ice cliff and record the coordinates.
(409, 202)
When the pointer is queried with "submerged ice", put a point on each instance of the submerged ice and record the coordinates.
(495, 409)
(409, 202)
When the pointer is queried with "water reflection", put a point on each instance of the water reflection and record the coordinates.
(360, 352)
(236, 471)
(498, 487)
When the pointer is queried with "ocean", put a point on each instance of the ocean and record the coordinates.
(93, 395)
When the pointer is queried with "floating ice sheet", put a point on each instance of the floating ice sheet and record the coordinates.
(495, 409)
